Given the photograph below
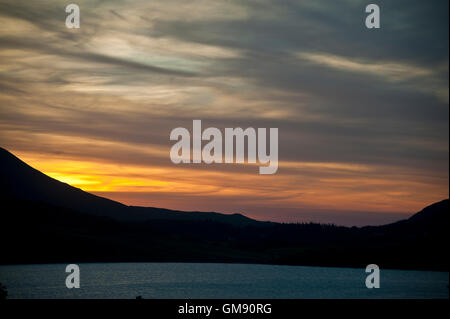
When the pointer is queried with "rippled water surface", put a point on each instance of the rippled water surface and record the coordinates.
(194, 280)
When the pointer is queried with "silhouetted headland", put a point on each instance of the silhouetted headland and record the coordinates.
(46, 221)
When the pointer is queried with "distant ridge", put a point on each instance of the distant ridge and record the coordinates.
(46, 221)
(21, 181)
(436, 214)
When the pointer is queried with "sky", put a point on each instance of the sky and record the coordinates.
(362, 113)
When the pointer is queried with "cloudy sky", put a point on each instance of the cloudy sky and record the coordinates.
(362, 114)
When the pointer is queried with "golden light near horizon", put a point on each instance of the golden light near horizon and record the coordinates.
(332, 189)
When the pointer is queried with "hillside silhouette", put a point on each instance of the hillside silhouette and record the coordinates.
(45, 221)
(21, 181)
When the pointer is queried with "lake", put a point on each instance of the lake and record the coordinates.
(227, 281)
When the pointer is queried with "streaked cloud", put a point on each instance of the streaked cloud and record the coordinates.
(390, 70)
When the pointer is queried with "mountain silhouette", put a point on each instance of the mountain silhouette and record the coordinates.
(45, 221)
(21, 181)
(431, 217)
